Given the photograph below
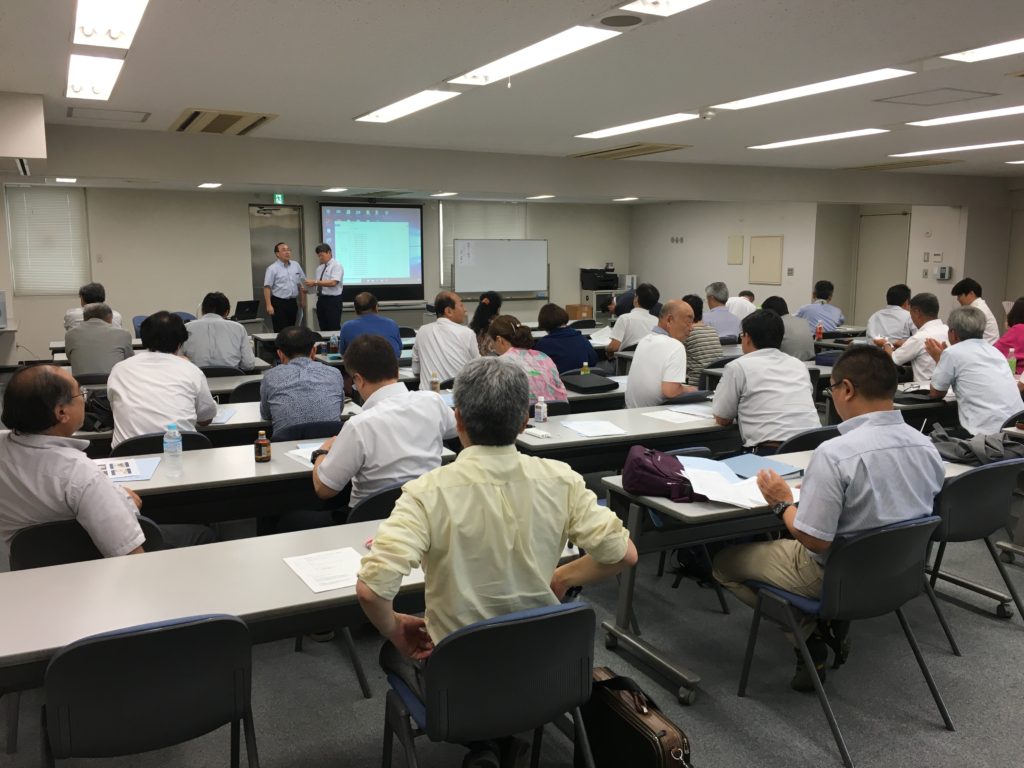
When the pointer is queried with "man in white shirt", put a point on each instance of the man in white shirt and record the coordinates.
(717, 314)
(658, 372)
(215, 340)
(968, 294)
(446, 345)
(742, 304)
(924, 313)
(90, 293)
(986, 393)
(398, 436)
(158, 387)
(893, 322)
(330, 278)
(632, 327)
(767, 391)
(283, 289)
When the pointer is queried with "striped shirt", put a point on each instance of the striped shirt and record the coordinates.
(702, 347)
(300, 392)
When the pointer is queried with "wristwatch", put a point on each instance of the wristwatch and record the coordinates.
(780, 507)
(317, 454)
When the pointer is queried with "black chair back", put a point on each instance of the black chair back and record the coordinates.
(697, 451)
(815, 376)
(724, 340)
(555, 408)
(188, 317)
(148, 687)
(313, 430)
(630, 348)
(448, 384)
(872, 573)
(976, 504)
(154, 443)
(586, 322)
(809, 440)
(86, 379)
(546, 658)
(405, 332)
(66, 541)
(376, 507)
(246, 392)
(1010, 422)
(702, 381)
(697, 396)
(220, 371)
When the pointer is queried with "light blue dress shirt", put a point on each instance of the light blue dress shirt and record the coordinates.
(830, 316)
(282, 280)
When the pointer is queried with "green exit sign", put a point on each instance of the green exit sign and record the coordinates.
(278, 198)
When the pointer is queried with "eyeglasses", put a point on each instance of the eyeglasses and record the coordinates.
(82, 393)
(827, 391)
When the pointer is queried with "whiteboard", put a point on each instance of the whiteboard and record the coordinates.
(505, 266)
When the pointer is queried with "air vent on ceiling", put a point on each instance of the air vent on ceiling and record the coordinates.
(632, 150)
(903, 165)
(620, 21)
(219, 121)
(16, 166)
(936, 96)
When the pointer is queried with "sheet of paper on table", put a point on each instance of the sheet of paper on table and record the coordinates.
(717, 487)
(695, 409)
(594, 428)
(224, 414)
(125, 470)
(324, 571)
(674, 417)
(301, 452)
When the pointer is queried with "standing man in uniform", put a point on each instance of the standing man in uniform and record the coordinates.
(328, 283)
(282, 289)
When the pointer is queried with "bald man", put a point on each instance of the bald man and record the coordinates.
(446, 345)
(658, 372)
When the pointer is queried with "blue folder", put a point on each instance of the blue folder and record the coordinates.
(748, 465)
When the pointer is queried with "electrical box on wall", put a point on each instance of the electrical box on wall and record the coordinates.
(943, 273)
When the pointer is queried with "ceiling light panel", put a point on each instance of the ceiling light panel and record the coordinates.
(554, 47)
(850, 81)
(92, 77)
(819, 139)
(624, 199)
(108, 23)
(662, 7)
(642, 125)
(1009, 48)
(407, 106)
(987, 114)
(960, 149)
(209, 185)
(444, 194)
(335, 190)
(65, 180)
(1008, 162)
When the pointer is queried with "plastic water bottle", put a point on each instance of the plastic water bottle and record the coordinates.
(435, 382)
(540, 411)
(172, 451)
(585, 368)
(1012, 360)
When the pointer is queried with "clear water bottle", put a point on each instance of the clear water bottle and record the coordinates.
(435, 382)
(172, 451)
(1011, 358)
(540, 411)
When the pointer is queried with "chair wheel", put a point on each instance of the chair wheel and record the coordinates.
(687, 696)
(1004, 611)
(611, 642)
(1006, 557)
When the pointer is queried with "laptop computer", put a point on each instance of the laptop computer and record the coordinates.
(246, 310)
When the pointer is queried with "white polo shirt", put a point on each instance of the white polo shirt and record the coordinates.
(913, 350)
(658, 358)
(991, 326)
(986, 393)
(442, 347)
(152, 389)
(332, 270)
(740, 306)
(769, 394)
(397, 438)
(632, 327)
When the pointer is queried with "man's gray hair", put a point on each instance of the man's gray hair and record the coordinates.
(102, 311)
(493, 397)
(718, 291)
(967, 322)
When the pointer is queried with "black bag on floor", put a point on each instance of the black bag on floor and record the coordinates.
(625, 728)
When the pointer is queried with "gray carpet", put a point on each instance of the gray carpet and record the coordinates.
(309, 713)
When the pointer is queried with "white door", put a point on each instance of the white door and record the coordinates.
(881, 261)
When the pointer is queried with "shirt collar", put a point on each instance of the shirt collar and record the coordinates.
(639, 310)
(300, 360)
(32, 440)
(385, 393)
(212, 316)
(875, 418)
(486, 452)
(659, 329)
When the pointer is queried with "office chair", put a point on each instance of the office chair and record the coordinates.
(405, 332)
(867, 574)
(154, 443)
(220, 371)
(376, 507)
(728, 340)
(56, 543)
(448, 384)
(539, 660)
(586, 322)
(697, 396)
(93, 379)
(702, 381)
(808, 440)
(137, 324)
(1013, 420)
(246, 392)
(149, 687)
(188, 317)
(313, 430)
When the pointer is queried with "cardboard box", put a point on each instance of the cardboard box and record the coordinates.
(579, 311)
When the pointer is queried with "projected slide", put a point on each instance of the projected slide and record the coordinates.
(380, 247)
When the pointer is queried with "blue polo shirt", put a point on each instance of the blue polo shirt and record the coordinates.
(373, 324)
(568, 348)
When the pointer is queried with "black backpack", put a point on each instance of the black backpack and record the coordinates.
(99, 416)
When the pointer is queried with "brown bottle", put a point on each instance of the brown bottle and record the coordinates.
(262, 447)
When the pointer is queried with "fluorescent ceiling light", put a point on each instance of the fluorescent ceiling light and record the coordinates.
(624, 199)
(444, 194)
(960, 149)
(817, 139)
(800, 91)
(1015, 162)
(65, 180)
(540, 197)
(989, 51)
(554, 47)
(335, 190)
(209, 185)
(662, 7)
(407, 106)
(642, 125)
(108, 23)
(988, 113)
(92, 77)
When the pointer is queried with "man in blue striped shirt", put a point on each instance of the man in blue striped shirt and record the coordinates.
(300, 390)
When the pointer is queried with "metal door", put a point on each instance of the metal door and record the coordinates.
(881, 261)
(268, 226)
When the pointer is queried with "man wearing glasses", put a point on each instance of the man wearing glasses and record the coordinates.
(878, 471)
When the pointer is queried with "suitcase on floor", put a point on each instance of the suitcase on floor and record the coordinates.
(625, 728)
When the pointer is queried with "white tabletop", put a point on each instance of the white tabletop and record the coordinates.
(61, 358)
(637, 426)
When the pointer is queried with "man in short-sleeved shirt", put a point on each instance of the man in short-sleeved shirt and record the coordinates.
(766, 391)
(90, 293)
(717, 314)
(369, 320)
(821, 310)
(631, 327)
(924, 313)
(283, 289)
(215, 340)
(986, 393)
(329, 281)
(877, 472)
(300, 390)
(797, 340)
(446, 345)
(658, 372)
(893, 322)
(96, 346)
(968, 294)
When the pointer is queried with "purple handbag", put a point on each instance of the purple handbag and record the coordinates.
(653, 473)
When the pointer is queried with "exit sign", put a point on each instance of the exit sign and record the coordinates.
(278, 198)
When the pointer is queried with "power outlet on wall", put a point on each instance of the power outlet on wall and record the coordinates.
(789, 272)
(924, 273)
(926, 256)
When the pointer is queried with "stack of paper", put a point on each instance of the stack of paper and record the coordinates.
(601, 336)
(717, 481)
(224, 414)
(301, 452)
